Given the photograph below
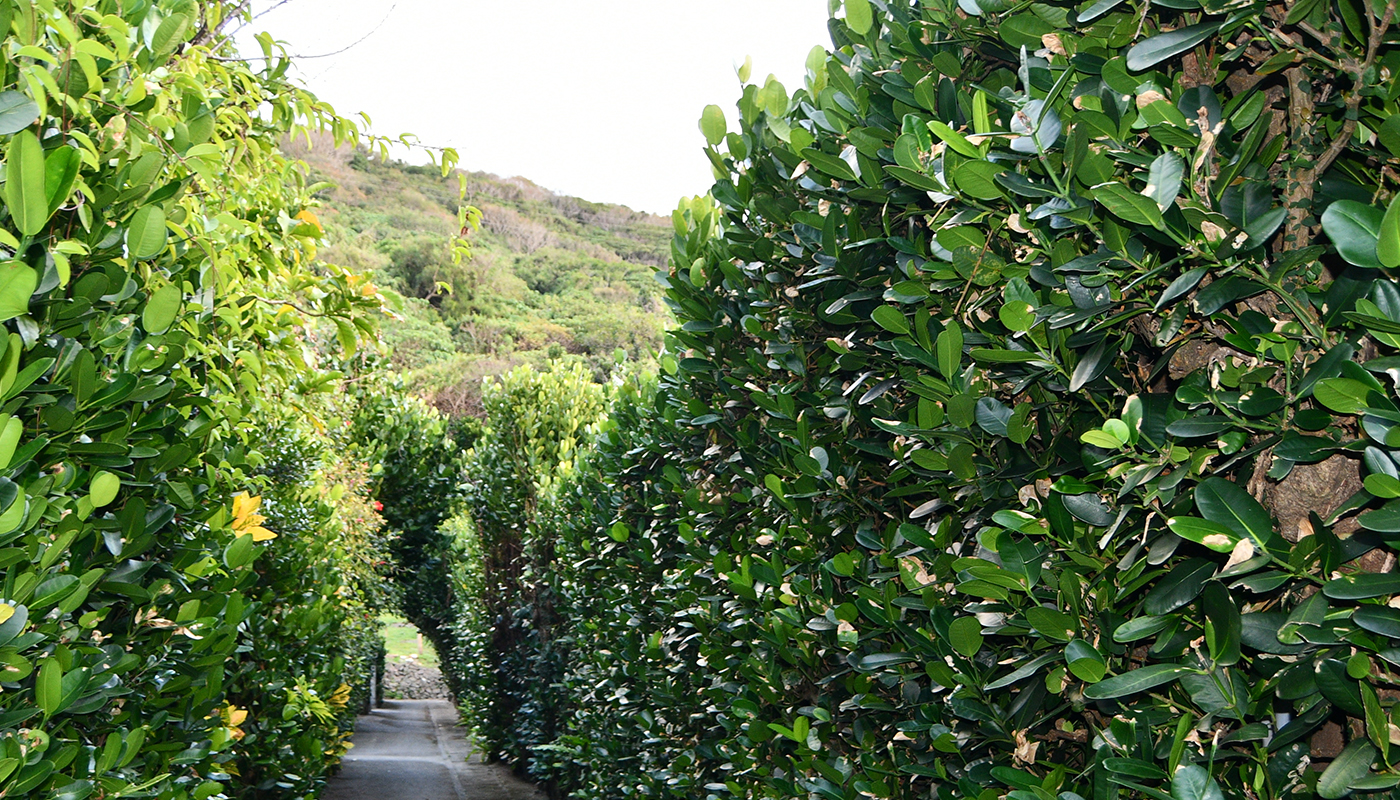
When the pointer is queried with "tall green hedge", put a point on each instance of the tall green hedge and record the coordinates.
(509, 660)
(1027, 429)
(167, 348)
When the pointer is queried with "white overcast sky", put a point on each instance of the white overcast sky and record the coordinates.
(593, 98)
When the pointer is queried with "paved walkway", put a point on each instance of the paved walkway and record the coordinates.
(412, 750)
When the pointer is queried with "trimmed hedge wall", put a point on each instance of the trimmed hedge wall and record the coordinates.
(1028, 429)
(189, 583)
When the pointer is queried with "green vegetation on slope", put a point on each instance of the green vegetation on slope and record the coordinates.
(550, 276)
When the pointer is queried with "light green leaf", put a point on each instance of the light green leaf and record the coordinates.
(1193, 782)
(161, 309)
(949, 346)
(965, 634)
(103, 488)
(1388, 239)
(953, 139)
(17, 284)
(1017, 316)
(1129, 205)
(145, 234)
(17, 112)
(169, 34)
(858, 16)
(1099, 438)
(1164, 179)
(712, 124)
(1217, 537)
(9, 439)
(891, 319)
(24, 183)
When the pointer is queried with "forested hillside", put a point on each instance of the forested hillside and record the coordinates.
(550, 275)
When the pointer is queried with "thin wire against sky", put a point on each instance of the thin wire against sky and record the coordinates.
(596, 99)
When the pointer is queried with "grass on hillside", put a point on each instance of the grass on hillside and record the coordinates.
(405, 645)
(552, 277)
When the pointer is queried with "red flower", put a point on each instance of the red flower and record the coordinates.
(378, 506)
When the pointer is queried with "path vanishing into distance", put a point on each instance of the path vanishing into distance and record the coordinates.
(413, 750)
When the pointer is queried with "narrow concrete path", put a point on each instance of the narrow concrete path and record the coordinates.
(413, 750)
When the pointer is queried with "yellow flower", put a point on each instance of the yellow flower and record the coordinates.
(247, 520)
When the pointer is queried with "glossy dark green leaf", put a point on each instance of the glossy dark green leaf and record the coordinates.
(1084, 662)
(1178, 587)
(1163, 46)
(1024, 671)
(1134, 681)
(1227, 504)
(1056, 625)
(891, 319)
(1363, 585)
(1342, 395)
(61, 167)
(1193, 782)
(1184, 283)
(1223, 624)
(992, 415)
(1354, 229)
(1191, 427)
(1346, 770)
(1385, 519)
(1140, 628)
(1090, 508)
(1128, 205)
(1164, 179)
(949, 346)
(1091, 365)
(1337, 686)
(1097, 9)
(48, 687)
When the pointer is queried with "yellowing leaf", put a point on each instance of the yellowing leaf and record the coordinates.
(246, 520)
(6, 611)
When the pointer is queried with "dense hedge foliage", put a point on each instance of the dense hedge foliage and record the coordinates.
(189, 566)
(418, 457)
(1028, 432)
(506, 663)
